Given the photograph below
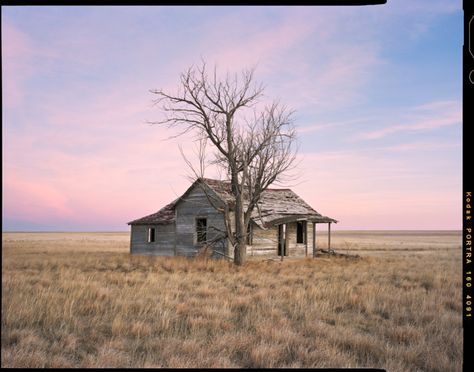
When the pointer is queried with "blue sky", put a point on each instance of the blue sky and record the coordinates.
(377, 92)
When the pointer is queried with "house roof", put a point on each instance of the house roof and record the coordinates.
(275, 206)
(164, 216)
(283, 205)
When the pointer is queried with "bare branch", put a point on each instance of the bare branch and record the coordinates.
(252, 156)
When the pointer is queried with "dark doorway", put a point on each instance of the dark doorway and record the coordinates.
(301, 232)
(281, 240)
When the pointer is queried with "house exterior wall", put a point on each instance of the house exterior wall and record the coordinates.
(162, 246)
(180, 238)
(265, 242)
(196, 205)
(297, 249)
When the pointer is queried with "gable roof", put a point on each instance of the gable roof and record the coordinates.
(275, 206)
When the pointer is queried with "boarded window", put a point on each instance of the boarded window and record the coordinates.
(151, 235)
(301, 232)
(201, 229)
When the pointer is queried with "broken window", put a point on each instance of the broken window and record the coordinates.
(301, 232)
(151, 235)
(201, 230)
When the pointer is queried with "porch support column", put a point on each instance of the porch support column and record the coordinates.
(283, 242)
(305, 232)
(329, 236)
(314, 239)
(175, 232)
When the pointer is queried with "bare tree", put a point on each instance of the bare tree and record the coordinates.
(254, 148)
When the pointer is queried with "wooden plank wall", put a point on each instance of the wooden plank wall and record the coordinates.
(164, 240)
(265, 242)
(183, 242)
(195, 205)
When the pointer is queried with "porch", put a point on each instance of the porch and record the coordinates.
(289, 237)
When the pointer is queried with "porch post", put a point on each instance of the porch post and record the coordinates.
(283, 238)
(175, 232)
(306, 239)
(329, 236)
(314, 239)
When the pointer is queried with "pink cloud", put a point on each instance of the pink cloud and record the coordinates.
(289, 49)
(263, 46)
(108, 189)
(333, 80)
(24, 198)
(93, 158)
(17, 52)
(92, 163)
(368, 190)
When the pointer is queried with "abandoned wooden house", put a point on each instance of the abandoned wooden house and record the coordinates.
(282, 225)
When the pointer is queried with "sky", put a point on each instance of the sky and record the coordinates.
(377, 94)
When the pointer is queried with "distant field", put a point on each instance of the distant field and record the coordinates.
(392, 242)
(80, 300)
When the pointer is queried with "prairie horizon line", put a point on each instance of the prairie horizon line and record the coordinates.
(122, 231)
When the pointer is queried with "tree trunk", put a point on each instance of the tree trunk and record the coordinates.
(240, 253)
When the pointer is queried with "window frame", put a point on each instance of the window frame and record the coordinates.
(302, 233)
(151, 235)
(197, 234)
(249, 237)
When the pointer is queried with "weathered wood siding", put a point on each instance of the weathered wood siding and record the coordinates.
(164, 240)
(180, 238)
(265, 242)
(294, 249)
(196, 205)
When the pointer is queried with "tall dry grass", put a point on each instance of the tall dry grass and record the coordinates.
(83, 301)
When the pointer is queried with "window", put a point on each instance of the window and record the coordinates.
(249, 234)
(151, 235)
(201, 230)
(301, 232)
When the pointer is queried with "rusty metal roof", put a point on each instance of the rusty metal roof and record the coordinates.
(275, 206)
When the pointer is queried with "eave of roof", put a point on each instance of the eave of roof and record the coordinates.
(164, 216)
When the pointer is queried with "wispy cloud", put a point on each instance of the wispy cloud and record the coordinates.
(17, 53)
(426, 117)
(371, 187)
(305, 56)
(331, 125)
(261, 46)
(77, 149)
(422, 146)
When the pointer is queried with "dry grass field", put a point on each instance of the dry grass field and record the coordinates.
(80, 300)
